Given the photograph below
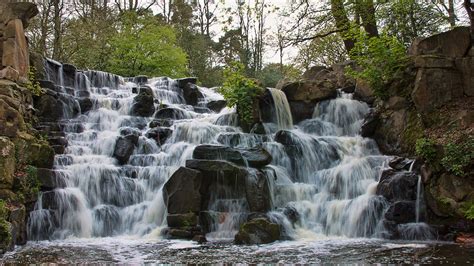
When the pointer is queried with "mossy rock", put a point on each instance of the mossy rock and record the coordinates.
(7, 162)
(412, 132)
(33, 151)
(258, 231)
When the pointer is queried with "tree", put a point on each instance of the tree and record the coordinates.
(144, 47)
(272, 73)
(470, 12)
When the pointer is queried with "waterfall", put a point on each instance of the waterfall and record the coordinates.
(322, 169)
(282, 109)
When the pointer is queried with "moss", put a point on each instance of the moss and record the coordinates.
(5, 227)
(412, 132)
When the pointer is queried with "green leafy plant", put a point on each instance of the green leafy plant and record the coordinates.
(469, 212)
(240, 91)
(379, 59)
(425, 148)
(5, 234)
(32, 84)
(458, 156)
(29, 184)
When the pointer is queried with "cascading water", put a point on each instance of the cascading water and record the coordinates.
(322, 169)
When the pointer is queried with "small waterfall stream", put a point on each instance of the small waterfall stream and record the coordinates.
(322, 169)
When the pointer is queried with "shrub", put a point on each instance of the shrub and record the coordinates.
(469, 212)
(380, 58)
(458, 156)
(32, 84)
(240, 91)
(425, 148)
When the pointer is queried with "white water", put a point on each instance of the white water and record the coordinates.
(327, 175)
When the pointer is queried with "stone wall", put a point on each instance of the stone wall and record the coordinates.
(22, 150)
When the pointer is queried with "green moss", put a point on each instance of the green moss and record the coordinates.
(457, 157)
(32, 84)
(5, 234)
(426, 149)
(412, 132)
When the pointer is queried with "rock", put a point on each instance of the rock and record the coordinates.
(312, 73)
(58, 141)
(256, 157)
(143, 103)
(435, 87)
(363, 92)
(301, 110)
(50, 108)
(11, 121)
(257, 191)
(466, 67)
(49, 179)
(9, 73)
(7, 163)
(396, 103)
(160, 123)
(370, 124)
(181, 192)
(395, 186)
(349, 89)
(200, 239)
(159, 134)
(182, 220)
(184, 81)
(233, 139)
(286, 138)
(217, 105)
(402, 212)
(191, 94)
(21, 10)
(86, 104)
(343, 80)
(292, 214)
(258, 231)
(180, 234)
(15, 48)
(69, 75)
(400, 163)
(310, 91)
(140, 80)
(125, 131)
(172, 113)
(465, 239)
(433, 61)
(442, 43)
(123, 149)
(17, 218)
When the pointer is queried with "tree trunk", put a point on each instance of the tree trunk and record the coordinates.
(470, 11)
(57, 30)
(342, 22)
(451, 14)
(366, 10)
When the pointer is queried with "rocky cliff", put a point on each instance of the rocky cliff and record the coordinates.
(23, 151)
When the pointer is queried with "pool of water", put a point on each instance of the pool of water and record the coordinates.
(327, 250)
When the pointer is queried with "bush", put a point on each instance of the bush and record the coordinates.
(380, 58)
(458, 156)
(240, 91)
(32, 84)
(469, 212)
(425, 148)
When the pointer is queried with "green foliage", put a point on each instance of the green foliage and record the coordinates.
(29, 184)
(240, 91)
(458, 156)
(425, 148)
(272, 73)
(380, 58)
(469, 212)
(321, 51)
(5, 234)
(145, 47)
(32, 84)
(3, 210)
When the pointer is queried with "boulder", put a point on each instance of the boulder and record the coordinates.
(11, 121)
(143, 103)
(255, 157)
(50, 180)
(217, 105)
(140, 80)
(160, 123)
(396, 186)
(172, 113)
(17, 218)
(9, 73)
(15, 48)
(371, 121)
(400, 163)
(363, 92)
(182, 220)
(7, 162)
(402, 212)
(435, 87)
(443, 44)
(49, 108)
(466, 67)
(301, 110)
(159, 134)
(123, 149)
(18, 10)
(258, 231)
(181, 193)
(312, 72)
(191, 93)
(184, 81)
(433, 61)
(310, 90)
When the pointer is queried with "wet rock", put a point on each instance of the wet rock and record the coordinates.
(159, 134)
(191, 93)
(349, 89)
(255, 157)
(49, 179)
(363, 92)
(143, 103)
(140, 80)
(181, 192)
(292, 214)
(86, 104)
(258, 231)
(11, 121)
(400, 163)
(396, 186)
(236, 139)
(217, 105)
(370, 124)
(49, 108)
(62, 141)
(125, 131)
(160, 123)
(184, 81)
(442, 43)
(7, 162)
(286, 137)
(257, 191)
(402, 212)
(172, 113)
(301, 110)
(200, 239)
(182, 220)
(17, 219)
(123, 149)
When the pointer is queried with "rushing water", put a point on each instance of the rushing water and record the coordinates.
(326, 174)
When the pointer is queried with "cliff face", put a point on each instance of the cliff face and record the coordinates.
(22, 149)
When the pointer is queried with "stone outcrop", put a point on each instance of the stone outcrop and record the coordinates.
(143, 103)
(190, 192)
(258, 231)
(22, 151)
